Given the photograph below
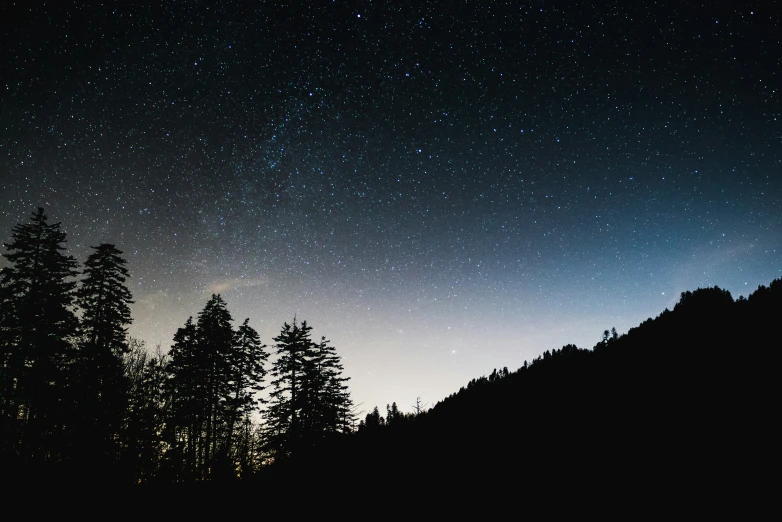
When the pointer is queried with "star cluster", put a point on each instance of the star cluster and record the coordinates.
(440, 188)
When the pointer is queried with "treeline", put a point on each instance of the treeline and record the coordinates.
(687, 396)
(82, 400)
(683, 400)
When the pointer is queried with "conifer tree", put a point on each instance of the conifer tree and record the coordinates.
(102, 389)
(309, 398)
(38, 331)
(105, 300)
(214, 341)
(247, 374)
(185, 398)
(393, 415)
(294, 349)
(215, 374)
(329, 407)
(372, 421)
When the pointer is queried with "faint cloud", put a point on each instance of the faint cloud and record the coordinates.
(152, 300)
(226, 285)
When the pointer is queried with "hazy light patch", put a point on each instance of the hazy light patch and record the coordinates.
(228, 285)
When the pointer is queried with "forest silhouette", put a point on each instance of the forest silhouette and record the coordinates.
(686, 396)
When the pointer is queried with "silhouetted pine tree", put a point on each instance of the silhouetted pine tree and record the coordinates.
(186, 403)
(393, 415)
(214, 340)
(309, 399)
(215, 374)
(101, 388)
(37, 334)
(372, 421)
(284, 423)
(247, 372)
(327, 407)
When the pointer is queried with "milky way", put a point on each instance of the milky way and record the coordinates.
(440, 188)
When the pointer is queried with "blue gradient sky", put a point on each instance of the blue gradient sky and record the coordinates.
(440, 189)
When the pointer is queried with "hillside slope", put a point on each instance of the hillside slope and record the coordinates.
(687, 396)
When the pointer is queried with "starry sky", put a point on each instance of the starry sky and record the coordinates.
(440, 188)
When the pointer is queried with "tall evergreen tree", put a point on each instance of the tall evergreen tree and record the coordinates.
(247, 374)
(105, 303)
(215, 374)
(185, 397)
(38, 331)
(329, 407)
(294, 349)
(214, 339)
(309, 398)
(393, 415)
(372, 421)
(105, 300)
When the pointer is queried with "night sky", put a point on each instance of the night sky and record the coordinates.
(440, 188)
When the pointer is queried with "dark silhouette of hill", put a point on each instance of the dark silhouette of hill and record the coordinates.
(683, 401)
(681, 409)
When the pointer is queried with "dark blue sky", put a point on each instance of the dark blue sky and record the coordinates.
(440, 188)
